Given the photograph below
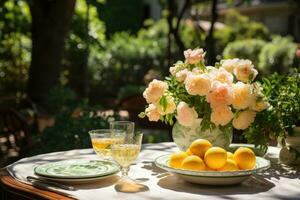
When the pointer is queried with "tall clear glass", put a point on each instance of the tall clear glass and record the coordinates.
(103, 139)
(127, 152)
(126, 126)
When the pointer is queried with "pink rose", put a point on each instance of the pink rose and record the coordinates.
(181, 75)
(197, 84)
(194, 56)
(170, 108)
(221, 95)
(221, 75)
(221, 115)
(152, 113)
(155, 91)
(186, 115)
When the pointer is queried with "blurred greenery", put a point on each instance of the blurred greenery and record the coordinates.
(69, 132)
(245, 49)
(119, 16)
(15, 46)
(238, 27)
(279, 55)
(125, 60)
(130, 91)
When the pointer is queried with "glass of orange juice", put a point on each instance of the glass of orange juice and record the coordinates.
(103, 139)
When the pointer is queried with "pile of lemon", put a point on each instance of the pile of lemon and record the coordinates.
(201, 155)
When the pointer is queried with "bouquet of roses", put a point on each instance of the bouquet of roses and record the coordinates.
(223, 96)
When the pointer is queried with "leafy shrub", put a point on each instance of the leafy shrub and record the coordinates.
(278, 55)
(69, 132)
(73, 119)
(283, 92)
(246, 49)
(125, 60)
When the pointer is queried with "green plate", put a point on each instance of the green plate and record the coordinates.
(75, 169)
(213, 177)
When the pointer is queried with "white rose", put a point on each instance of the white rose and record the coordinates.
(152, 113)
(170, 106)
(181, 75)
(245, 71)
(244, 119)
(155, 91)
(177, 67)
(197, 84)
(186, 115)
(229, 64)
(173, 70)
(221, 115)
(242, 96)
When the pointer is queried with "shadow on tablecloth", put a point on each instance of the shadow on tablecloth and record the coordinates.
(251, 186)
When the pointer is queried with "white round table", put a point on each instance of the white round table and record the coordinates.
(278, 182)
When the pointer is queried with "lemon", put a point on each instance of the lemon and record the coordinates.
(209, 169)
(176, 159)
(193, 163)
(188, 151)
(199, 147)
(244, 158)
(229, 155)
(215, 157)
(229, 166)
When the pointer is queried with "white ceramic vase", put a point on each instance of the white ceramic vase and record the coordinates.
(183, 136)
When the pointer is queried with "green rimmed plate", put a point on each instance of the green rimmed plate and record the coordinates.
(76, 169)
(213, 177)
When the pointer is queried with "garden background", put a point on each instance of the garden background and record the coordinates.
(70, 66)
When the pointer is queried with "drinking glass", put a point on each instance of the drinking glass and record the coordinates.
(103, 139)
(126, 126)
(127, 152)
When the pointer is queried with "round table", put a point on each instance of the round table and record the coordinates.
(278, 182)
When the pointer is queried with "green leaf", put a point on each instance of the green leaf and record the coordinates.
(163, 102)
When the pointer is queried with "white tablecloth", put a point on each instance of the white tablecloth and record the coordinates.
(276, 183)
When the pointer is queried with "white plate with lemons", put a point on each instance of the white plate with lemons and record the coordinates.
(212, 177)
(204, 164)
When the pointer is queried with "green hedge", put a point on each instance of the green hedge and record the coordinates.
(278, 55)
(246, 49)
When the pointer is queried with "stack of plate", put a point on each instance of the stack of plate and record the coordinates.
(77, 171)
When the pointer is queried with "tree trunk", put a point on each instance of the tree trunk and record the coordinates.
(50, 23)
(210, 41)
